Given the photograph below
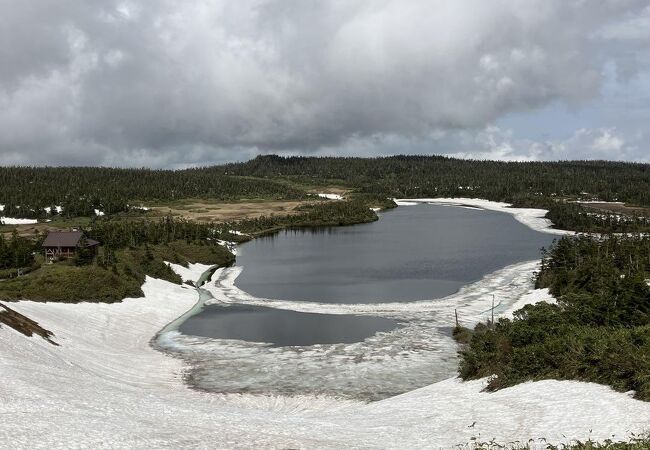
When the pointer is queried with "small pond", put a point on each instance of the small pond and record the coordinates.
(280, 327)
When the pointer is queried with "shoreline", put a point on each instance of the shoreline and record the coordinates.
(95, 396)
(533, 218)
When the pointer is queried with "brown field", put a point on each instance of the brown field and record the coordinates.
(32, 229)
(192, 209)
(618, 208)
(202, 210)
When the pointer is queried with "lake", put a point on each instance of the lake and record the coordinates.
(361, 312)
(412, 253)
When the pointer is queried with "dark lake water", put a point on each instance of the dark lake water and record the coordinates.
(280, 327)
(412, 253)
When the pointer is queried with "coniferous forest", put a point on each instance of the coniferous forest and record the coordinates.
(598, 331)
(32, 192)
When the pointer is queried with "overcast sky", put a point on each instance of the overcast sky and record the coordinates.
(179, 83)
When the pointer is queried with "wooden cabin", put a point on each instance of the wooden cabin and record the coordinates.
(64, 244)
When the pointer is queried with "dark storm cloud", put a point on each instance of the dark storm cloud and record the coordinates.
(170, 83)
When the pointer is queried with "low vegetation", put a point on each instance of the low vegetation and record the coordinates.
(113, 275)
(598, 331)
(635, 443)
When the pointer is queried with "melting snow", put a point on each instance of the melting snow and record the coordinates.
(531, 217)
(106, 387)
(15, 221)
(331, 196)
(190, 272)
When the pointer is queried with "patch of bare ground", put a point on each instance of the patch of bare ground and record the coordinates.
(619, 208)
(330, 190)
(227, 212)
(24, 324)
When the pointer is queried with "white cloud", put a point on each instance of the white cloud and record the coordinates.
(496, 143)
(178, 83)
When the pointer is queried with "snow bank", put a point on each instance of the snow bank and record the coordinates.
(190, 273)
(536, 296)
(105, 387)
(231, 246)
(15, 221)
(533, 218)
(331, 196)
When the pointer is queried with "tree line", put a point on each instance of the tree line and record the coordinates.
(29, 191)
(427, 176)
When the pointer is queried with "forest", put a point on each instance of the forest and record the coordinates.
(28, 191)
(598, 331)
(521, 183)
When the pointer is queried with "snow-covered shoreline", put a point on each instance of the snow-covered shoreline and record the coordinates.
(531, 217)
(106, 387)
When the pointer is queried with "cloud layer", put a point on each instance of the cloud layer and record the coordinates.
(171, 83)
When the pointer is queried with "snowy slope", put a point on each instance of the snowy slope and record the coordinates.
(105, 387)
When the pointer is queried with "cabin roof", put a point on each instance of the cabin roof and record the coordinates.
(66, 239)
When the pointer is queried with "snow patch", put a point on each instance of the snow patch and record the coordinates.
(531, 298)
(231, 246)
(192, 272)
(331, 196)
(15, 221)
